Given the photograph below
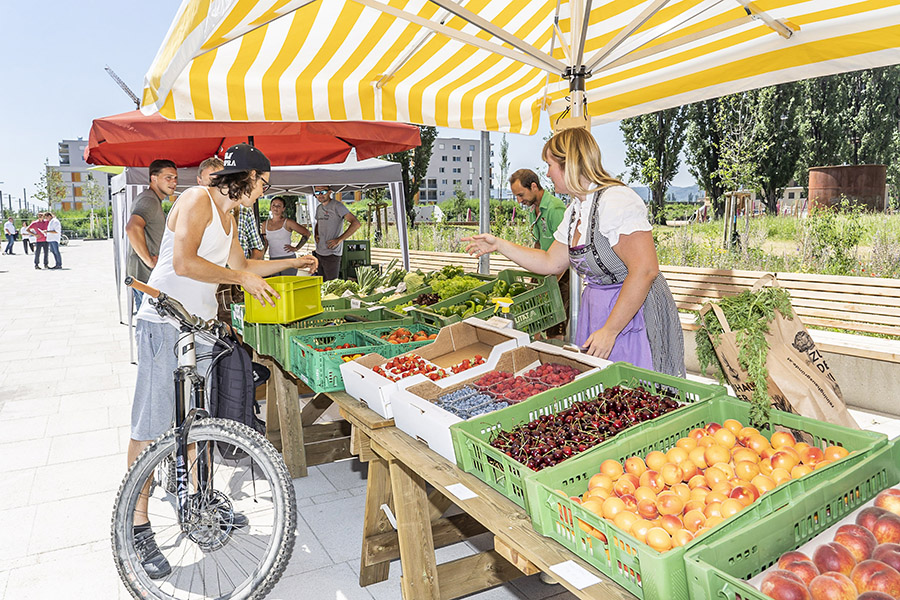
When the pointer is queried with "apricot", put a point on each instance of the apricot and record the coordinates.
(612, 468)
(781, 439)
(733, 426)
(834, 453)
(676, 455)
(655, 460)
(601, 480)
(635, 465)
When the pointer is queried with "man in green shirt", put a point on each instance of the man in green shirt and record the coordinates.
(548, 209)
(548, 214)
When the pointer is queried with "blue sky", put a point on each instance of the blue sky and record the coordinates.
(52, 82)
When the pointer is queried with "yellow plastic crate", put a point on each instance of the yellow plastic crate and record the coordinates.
(301, 297)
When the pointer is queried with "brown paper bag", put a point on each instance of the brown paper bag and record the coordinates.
(799, 379)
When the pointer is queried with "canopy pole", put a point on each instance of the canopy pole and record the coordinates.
(484, 214)
(576, 109)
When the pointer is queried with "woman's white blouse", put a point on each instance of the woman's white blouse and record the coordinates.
(621, 212)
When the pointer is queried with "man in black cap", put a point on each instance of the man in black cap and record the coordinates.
(199, 250)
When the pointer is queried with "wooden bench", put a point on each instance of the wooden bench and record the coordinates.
(855, 305)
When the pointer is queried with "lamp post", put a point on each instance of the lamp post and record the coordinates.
(856, 141)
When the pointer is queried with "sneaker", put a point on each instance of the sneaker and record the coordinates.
(154, 563)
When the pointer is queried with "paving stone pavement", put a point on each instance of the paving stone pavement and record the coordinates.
(66, 383)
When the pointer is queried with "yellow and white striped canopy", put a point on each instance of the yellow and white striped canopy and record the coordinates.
(494, 65)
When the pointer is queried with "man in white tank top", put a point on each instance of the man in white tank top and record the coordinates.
(199, 250)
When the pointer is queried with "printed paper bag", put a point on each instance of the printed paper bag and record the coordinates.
(799, 380)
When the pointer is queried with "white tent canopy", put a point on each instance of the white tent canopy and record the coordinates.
(351, 175)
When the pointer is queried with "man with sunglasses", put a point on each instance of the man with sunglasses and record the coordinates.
(548, 214)
(330, 216)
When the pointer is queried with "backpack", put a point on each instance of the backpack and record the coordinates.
(232, 389)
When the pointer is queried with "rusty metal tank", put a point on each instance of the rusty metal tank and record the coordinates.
(864, 184)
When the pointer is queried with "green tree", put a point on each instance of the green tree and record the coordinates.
(741, 147)
(777, 121)
(50, 189)
(504, 164)
(455, 207)
(702, 150)
(414, 166)
(823, 131)
(652, 145)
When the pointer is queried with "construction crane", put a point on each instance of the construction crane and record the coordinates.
(122, 84)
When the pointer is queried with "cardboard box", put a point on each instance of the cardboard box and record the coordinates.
(416, 413)
(453, 344)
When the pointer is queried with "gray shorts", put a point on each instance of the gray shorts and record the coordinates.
(153, 409)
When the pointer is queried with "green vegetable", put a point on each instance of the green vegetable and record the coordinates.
(749, 315)
(478, 297)
(446, 288)
(499, 289)
(516, 289)
(413, 282)
(368, 279)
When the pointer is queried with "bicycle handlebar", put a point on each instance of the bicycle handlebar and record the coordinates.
(170, 307)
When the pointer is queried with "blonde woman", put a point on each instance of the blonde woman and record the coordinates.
(627, 310)
(278, 230)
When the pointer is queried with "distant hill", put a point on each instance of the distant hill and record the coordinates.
(679, 194)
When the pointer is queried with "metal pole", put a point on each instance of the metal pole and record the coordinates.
(484, 215)
(576, 108)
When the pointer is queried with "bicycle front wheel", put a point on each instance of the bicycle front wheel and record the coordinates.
(238, 537)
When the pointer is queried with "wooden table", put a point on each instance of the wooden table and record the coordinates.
(400, 471)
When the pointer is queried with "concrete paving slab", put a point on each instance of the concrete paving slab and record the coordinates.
(16, 489)
(21, 409)
(16, 525)
(314, 484)
(24, 455)
(346, 474)
(309, 554)
(78, 421)
(70, 480)
(89, 575)
(18, 430)
(338, 526)
(337, 582)
(79, 446)
(71, 522)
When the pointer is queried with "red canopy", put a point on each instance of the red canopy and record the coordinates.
(133, 139)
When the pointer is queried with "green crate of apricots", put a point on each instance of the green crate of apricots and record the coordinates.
(635, 506)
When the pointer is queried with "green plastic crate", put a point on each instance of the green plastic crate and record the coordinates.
(375, 334)
(325, 323)
(321, 371)
(471, 439)
(720, 568)
(355, 253)
(237, 317)
(336, 304)
(635, 566)
(534, 310)
(249, 334)
(266, 342)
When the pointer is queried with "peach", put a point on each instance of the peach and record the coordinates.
(811, 455)
(731, 507)
(694, 520)
(834, 453)
(682, 491)
(713, 509)
(745, 494)
(781, 439)
(744, 434)
(732, 425)
(640, 528)
(832, 586)
(706, 441)
(647, 509)
(725, 468)
(696, 457)
(672, 474)
(689, 469)
(800, 470)
(765, 466)
(686, 443)
(611, 507)
(682, 537)
(694, 505)
(804, 569)
(784, 460)
(696, 434)
(599, 493)
(635, 465)
(668, 503)
(714, 475)
(783, 585)
(697, 481)
(676, 455)
(595, 506)
(757, 443)
(763, 483)
(725, 438)
(790, 557)
(889, 554)
(653, 480)
(716, 454)
(655, 460)
(739, 453)
(625, 519)
(858, 540)
(869, 515)
(875, 576)
(889, 499)
(630, 503)
(601, 480)
(768, 452)
(780, 476)
(833, 557)
(746, 470)
(612, 468)
(671, 523)
(659, 539)
(801, 446)
(887, 529)
(644, 493)
(626, 484)
(715, 497)
(713, 521)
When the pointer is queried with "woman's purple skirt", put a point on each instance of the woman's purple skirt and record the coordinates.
(632, 345)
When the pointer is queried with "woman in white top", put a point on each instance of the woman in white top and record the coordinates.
(277, 231)
(627, 310)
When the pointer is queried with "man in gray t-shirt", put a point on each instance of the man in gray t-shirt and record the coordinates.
(330, 216)
(147, 223)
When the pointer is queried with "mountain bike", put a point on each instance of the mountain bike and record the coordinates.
(225, 527)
